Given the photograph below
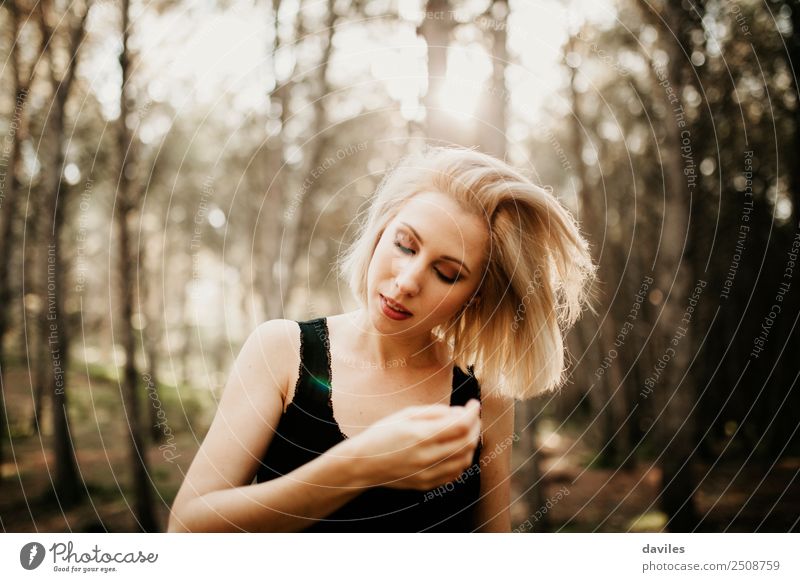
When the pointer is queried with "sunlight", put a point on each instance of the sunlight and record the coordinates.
(468, 69)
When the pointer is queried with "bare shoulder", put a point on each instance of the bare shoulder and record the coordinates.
(275, 345)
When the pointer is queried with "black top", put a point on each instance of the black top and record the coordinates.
(307, 429)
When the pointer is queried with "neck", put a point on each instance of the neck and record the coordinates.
(414, 349)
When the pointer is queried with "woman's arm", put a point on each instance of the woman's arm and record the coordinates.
(217, 494)
(418, 447)
(497, 418)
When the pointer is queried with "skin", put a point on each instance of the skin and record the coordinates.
(420, 446)
(408, 266)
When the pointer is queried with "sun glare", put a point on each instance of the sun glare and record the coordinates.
(468, 69)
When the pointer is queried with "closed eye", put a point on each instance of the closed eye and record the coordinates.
(409, 251)
(406, 250)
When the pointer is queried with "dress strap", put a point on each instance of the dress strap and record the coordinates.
(465, 386)
(314, 385)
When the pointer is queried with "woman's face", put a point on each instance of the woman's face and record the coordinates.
(430, 260)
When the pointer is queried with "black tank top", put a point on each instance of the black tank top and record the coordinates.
(307, 429)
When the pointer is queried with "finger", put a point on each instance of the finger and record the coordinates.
(467, 447)
(473, 403)
(447, 429)
(438, 453)
(431, 411)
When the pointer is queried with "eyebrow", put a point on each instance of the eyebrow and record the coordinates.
(447, 257)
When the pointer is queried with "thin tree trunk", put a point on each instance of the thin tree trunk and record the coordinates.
(67, 485)
(435, 29)
(530, 471)
(9, 206)
(614, 428)
(151, 338)
(124, 208)
(298, 229)
(793, 63)
(269, 218)
(34, 285)
(675, 429)
(490, 128)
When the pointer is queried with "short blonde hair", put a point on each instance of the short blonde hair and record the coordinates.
(537, 272)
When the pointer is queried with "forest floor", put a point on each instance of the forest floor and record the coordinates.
(575, 497)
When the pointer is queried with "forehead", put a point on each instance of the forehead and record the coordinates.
(444, 224)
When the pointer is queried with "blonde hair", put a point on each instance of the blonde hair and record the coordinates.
(537, 274)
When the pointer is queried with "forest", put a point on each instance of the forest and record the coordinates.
(174, 173)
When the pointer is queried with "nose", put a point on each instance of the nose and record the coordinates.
(407, 276)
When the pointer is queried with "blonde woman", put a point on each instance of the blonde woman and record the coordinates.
(399, 416)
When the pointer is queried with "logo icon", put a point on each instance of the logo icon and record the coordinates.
(31, 555)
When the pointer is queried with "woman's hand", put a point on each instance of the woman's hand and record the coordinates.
(419, 447)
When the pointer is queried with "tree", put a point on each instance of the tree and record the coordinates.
(675, 397)
(10, 188)
(436, 28)
(607, 393)
(67, 485)
(126, 202)
(492, 108)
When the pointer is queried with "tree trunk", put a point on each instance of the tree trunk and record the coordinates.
(9, 207)
(530, 472)
(124, 207)
(673, 393)
(490, 129)
(792, 55)
(613, 411)
(297, 229)
(67, 485)
(37, 341)
(271, 216)
(435, 29)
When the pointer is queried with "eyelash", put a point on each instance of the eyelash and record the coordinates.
(442, 277)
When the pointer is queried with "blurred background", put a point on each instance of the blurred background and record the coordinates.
(173, 173)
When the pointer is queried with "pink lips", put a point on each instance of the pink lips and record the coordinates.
(391, 312)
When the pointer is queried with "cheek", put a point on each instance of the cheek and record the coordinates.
(445, 304)
(380, 264)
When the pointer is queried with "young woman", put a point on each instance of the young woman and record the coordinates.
(399, 416)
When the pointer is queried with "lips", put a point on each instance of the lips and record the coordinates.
(397, 306)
